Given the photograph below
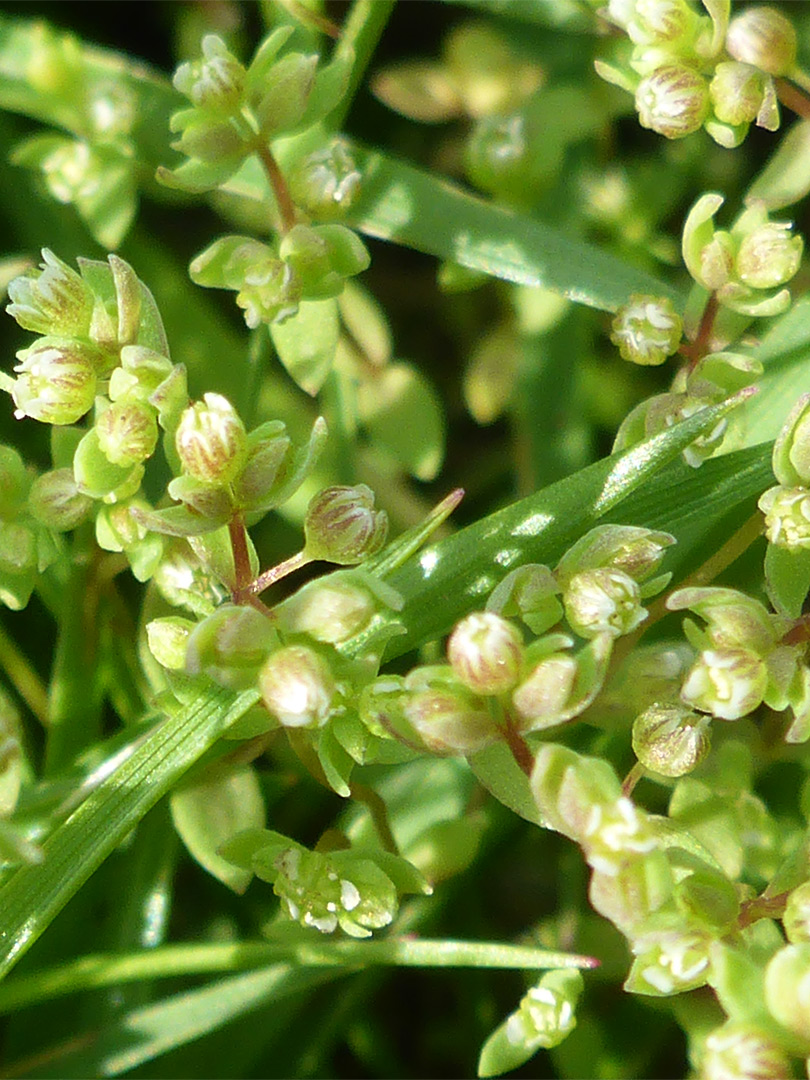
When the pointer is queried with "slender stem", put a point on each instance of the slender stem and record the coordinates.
(761, 907)
(241, 557)
(281, 193)
(519, 747)
(301, 13)
(360, 34)
(339, 414)
(733, 548)
(793, 98)
(375, 805)
(632, 778)
(23, 678)
(801, 78)
(701, 346)
(276, 573)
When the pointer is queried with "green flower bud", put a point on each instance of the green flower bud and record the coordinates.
(787, 516)
(673, 100)
(667, 23)
(447, 719)
(791, 451)
(15, 482)
(280, 99)
(266, 463)
(603, 601)
(326, 182)
(635, 551)
(737, 92)
(568, 787)
(51, 300)
(486, 652)
(541, 700)
(140, 373)
(647, 330)
(270, 292)
(728, 683)
(230, 646)
(342, 526)
(56, 502)
(167, 639)
(56, 382)
(787, 988)
(19, 563)
(297, 687)
(211, 440)
(210, 140)
(322, 257)
(615, 831)
(669, 962)
(331, 609)
(765, 38)
(738, 1051)
(531, 593)
(127, 432)
(734, 618)
(769, 256)
(670, 740)
(216, 81)
(184, 582)
(796, 919)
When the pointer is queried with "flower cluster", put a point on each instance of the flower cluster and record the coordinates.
(689, 70)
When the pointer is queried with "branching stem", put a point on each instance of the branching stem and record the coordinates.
(281, 193)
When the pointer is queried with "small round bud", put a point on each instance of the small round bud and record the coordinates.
(326, 182)
(15, 482)
(670, 740)
(787, 516)
(728, 683)
(765, 38)
(342, 526)
(737, 92)
(127, 432)
(485, 651)
(216, 81)
(51, 300)
(56, 501)
(737, 1051)
(647, 330)
(603, 601)
(660, 22)
(230, 646)
(787, 989)
(449, 720)
(769, 256)
(297, 687)
(796, 919)
(540, 701)
(167, 639)
(56, 382)
(673, 100)
(211, 440)
(279, 99)
(330, 611)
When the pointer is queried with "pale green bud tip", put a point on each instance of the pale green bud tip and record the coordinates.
(603, 601)
(167, 640)
(56, 502)
(297, 687)
(737, 92)
(673, 100)
(231, 645)
(330, 611)
(342, 526)
(327, 181)
(728, 683)
(127, 432)
(787, 516)
(670, 740)
(51, 300)
(647, 330)
(737, 1051)
(211, 440)
(485, 651)
(56, 382)
(796, 919)
(216, 81)
(769, 256)
(765, 38)
(541, 700)
(660, 22)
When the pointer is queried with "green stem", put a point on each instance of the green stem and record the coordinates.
(276, 573)
(360, 34)
(375, 805)
(339, 413)
(100, 969)
(23, 678)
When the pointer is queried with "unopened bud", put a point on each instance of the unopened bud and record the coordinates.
(603, 601)
(51, 300)
(765, 38)
(297, 687)
(230, 646)
(342, 526)
(167, 639)
(330, 610)
(211, 440)
(326, 182)
(541, 700)
(796, 919)
(787, 989)
(216, 81)
(787, 516)
(769, 256)
(322, 257)
(280, 98)
(448, 720)
(670, 740)
(485, 651)
(56, 383)
(673, 100)
(728, 683)
(14, 482)
(738, 1051)
(56, 501)
(647, 330)
(737, 92)
(660, 22)
(127, 432)
(270, 292)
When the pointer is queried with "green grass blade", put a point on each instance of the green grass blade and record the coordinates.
(31, 897)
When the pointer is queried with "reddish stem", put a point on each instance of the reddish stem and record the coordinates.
(632, 778)
(761, 907)
(241, 557)
(701, 346)
(286, 207)
(517, 744)
(276, 573)
(793, 98)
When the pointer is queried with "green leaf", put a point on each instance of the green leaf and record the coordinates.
(787, 575)
(212, 810)
(403, 415)
(307, 341)
(786, 176)
(95, 474)
(133, 781)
